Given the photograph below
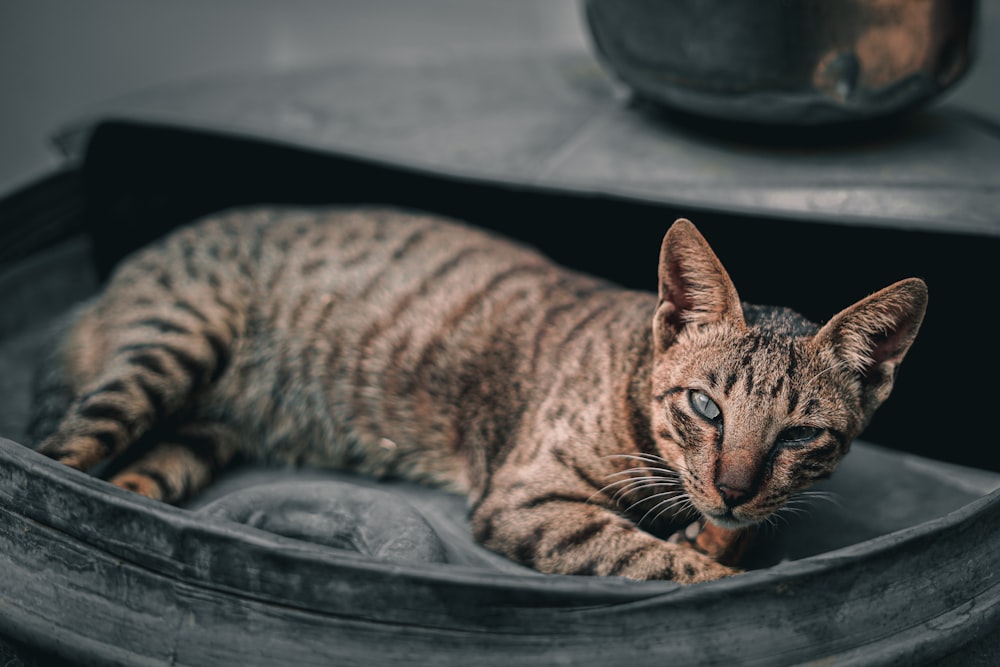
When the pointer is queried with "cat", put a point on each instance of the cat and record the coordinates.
(595, 430)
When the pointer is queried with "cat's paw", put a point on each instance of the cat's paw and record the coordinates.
(696, 568)
(679, 563)
(76, 452)
(143, 484)
(719, 571)
(724, 545)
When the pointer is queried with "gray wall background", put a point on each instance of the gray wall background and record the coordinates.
(58, 57)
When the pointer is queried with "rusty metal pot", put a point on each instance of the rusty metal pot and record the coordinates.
(800, 62)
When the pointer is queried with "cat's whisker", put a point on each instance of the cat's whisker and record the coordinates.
(650, 486)
(810, 495)
(658, 514)
(783, 513)
(777, 516)
(654, 483)
(685, 507)
(681, 468)
(672, 493)
(796, 507)
(637, 486)
(648, 458)
(665, 506)
(632, 484)
(663, 472)
(796, 511)
(637, 474)
(640, 478)
(803, 502)
(771, 523)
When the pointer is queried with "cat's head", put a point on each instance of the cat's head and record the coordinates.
(751, 410)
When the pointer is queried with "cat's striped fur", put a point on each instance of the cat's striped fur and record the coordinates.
(580, 418)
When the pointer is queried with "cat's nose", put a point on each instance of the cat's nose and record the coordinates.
(733, 496)
(736, 477)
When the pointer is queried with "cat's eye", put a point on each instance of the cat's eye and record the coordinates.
(704, 406)
(796, 435)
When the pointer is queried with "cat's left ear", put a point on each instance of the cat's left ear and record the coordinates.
(874, 335)
(694, 286)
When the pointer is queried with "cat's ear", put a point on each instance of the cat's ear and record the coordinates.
(874, 335)
(694, 286)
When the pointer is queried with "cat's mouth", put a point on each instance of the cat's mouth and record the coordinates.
(729, 520)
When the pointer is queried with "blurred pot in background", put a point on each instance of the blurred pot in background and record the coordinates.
(802, 62)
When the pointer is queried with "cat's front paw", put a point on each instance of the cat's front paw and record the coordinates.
(676, 562)
(696, 568)
(724, 545)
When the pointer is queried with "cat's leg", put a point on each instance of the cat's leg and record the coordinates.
(132, 361)
(560, 531)
(181, 463)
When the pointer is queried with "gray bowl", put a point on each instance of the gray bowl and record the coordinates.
(803, 62)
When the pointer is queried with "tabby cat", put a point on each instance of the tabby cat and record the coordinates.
(588, 424)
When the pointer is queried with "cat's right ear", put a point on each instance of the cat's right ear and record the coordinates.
(694, 286)
(872, 336)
